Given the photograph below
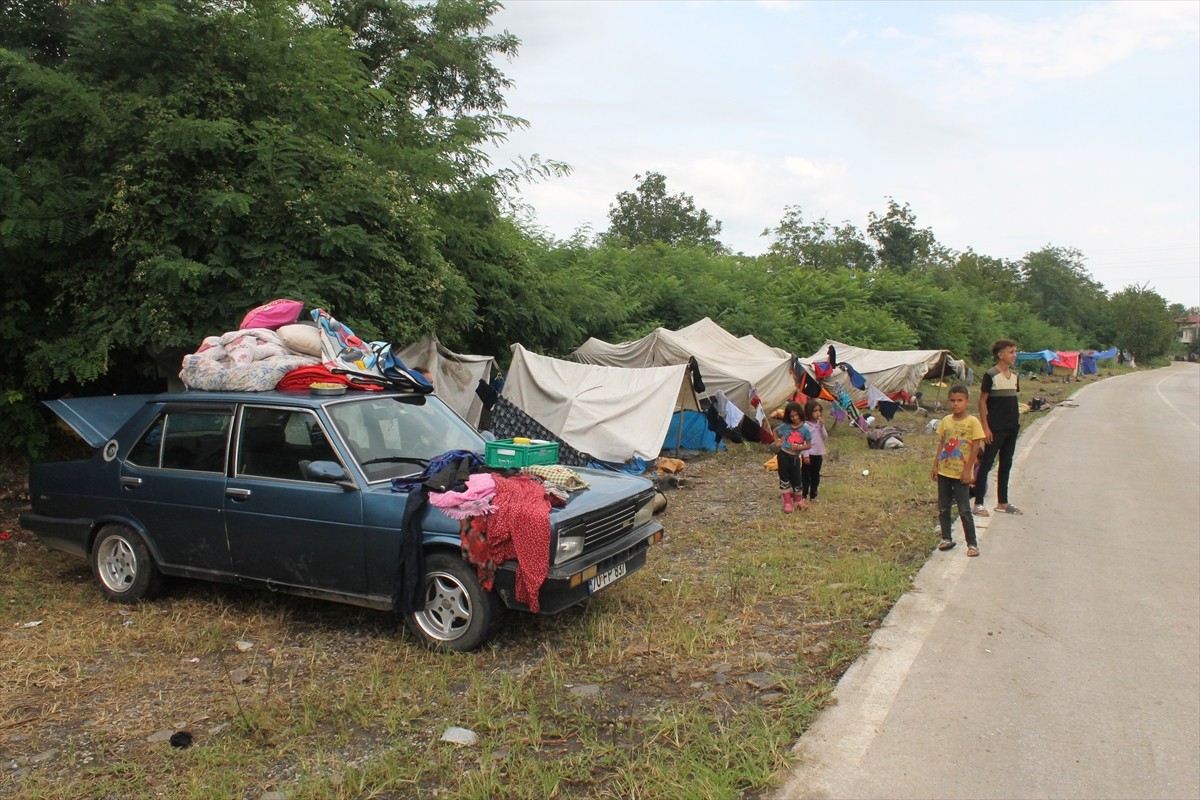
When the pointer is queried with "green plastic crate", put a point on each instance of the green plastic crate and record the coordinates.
(507, 454)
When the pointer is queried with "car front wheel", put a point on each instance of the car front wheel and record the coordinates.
(123, 565)
(458, 613)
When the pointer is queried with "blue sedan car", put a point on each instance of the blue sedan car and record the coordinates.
(293, 492)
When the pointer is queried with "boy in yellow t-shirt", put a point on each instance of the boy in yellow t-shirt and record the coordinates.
(959, 437)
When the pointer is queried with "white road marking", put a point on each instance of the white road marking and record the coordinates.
(848, 728)
(1171, 406)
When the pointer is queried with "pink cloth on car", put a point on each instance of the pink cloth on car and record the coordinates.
(475, 500)
(273, 315)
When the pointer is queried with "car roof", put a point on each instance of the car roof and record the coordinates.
(97, 419)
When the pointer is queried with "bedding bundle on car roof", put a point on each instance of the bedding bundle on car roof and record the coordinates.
(273, 349)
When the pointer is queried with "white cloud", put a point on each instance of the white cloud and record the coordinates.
(779, 5)
(891, 33)
(890, 112)
(1072, 124)
(1081, 41)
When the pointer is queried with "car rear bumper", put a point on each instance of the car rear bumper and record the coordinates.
(58, 533)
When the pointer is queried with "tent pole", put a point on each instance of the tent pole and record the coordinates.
(937, 404)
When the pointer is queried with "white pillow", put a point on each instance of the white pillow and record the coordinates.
(304, 339)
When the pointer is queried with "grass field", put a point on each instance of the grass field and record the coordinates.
(689, 679)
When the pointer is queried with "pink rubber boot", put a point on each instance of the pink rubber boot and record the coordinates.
(787, 502)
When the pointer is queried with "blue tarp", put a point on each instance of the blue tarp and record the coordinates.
(634, 466)
(1039, 355)
(696, 435)
(1087, 361)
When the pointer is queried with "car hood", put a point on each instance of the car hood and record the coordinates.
(97, 419)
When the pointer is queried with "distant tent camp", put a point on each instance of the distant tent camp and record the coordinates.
(1065, 363)
(735, 366)
(893, 372)
(1038, 355)
(454, 376)
(616, 414)
(1087, 361)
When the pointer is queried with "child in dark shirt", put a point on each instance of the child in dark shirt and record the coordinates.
(793, 441)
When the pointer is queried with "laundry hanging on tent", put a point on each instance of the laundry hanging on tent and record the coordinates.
(811, 386)
(874, 395)
(697, 378)
(857, 380)
(877, 399)
(760, 418)
(847, 405)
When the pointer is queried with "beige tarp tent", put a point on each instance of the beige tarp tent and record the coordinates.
(612, 413)
(454, 376)
(888, 370)
(727, 363)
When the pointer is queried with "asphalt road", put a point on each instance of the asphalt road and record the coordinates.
(1064, 662)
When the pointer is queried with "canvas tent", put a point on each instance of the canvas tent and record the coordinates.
(890, 371)
(613, 413)
(726, 363)
(454, 376)
(1087, 361)
(1065, 363)
(1038, 355)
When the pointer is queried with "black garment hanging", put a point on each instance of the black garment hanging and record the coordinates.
(410, 567)
(697, 380)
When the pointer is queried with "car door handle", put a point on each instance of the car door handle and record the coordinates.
(237, 494)
(131, 482)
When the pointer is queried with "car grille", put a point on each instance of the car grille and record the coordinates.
(607, 526)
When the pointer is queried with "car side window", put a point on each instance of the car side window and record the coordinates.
(148, 450)
(279, 443)
(185, 440)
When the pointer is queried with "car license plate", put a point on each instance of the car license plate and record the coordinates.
(605, 578)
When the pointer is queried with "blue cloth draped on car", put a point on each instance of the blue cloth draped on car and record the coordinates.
(346, 354)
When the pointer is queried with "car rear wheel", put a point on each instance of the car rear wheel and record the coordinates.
(458, 614)
(123, 565)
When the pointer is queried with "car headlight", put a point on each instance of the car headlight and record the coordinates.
(568, 548)
(645, 512)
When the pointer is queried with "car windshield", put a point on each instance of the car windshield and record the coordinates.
(394, 436)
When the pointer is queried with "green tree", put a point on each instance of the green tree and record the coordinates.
(1144, 324)
(1058, 287)
(818, 244)
(648, 214)
(902, 246)
(166, 166)
(985, 276)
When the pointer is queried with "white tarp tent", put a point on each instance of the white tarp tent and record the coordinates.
(612, 413)
(727, 363)
(454, 376)
(888, 370)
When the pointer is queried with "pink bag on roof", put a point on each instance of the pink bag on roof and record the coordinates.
(273, 314)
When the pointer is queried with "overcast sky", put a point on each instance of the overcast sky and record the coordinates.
(1005, 126)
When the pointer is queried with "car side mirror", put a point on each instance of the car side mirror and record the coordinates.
(327, 472)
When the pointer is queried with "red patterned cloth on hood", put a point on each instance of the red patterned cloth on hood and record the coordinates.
(520, 528)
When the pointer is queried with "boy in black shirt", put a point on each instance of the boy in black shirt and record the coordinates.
(1000, 414)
